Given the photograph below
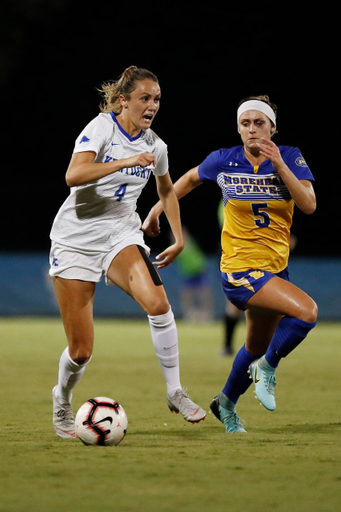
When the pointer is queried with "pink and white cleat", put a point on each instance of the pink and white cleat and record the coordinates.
(63, 420)
(180, 402)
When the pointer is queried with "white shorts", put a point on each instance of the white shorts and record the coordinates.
(70, 263)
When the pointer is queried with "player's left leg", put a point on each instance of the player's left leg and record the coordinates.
(132, 271)
(261, 326)
(299, 314)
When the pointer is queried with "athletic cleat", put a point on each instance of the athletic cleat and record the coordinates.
(229, 418)
(63, 420)
(180, 402)
(265, 382)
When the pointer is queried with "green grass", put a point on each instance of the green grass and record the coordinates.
(290, 459)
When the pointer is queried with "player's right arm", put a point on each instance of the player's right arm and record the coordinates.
(83, 170)
(182, 187)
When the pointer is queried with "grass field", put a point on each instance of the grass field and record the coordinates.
(290, 459)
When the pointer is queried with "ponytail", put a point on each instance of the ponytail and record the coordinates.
(125, 85)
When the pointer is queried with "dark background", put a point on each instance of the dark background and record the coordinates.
(207, 57)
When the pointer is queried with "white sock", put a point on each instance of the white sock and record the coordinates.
(165, 341)
(70, 373)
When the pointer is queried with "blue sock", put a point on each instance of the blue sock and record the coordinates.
(239, 379)
(288, 335)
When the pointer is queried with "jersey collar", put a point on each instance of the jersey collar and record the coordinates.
(255, 168)
(123, 131)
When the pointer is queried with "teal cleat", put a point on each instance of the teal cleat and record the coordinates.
(228, 417)
(265, 382)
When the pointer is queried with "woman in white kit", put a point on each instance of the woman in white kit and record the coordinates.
(98, 232)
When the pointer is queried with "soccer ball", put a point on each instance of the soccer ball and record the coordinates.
(101, 421)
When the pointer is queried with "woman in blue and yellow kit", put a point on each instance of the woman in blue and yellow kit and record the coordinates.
(260, 184)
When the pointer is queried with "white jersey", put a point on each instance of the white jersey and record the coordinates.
(102, 213)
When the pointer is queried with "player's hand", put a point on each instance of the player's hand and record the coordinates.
(151, 225)
(271, 151)
(168, 256)
(141, 160)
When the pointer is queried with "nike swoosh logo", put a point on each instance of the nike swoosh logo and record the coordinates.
(256, 378)
(108, 418)
(168, 348)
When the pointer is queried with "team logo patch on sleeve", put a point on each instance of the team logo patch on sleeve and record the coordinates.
(84, 139)
(301, 162)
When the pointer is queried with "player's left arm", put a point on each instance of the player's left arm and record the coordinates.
(170, 205)
(301, 191)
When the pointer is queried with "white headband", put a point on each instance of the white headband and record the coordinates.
(261, 106)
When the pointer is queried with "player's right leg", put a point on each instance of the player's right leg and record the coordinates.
(75, 299)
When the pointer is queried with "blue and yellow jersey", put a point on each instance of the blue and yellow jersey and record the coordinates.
(258, 208)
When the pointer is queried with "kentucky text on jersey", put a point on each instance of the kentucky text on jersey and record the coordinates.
(140, 172)
(100, 214)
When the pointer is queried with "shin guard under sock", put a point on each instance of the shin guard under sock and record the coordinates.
(288, 335)
(165, 341)
(239, 379)
(70, 373)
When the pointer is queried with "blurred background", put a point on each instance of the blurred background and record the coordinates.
(53, 57)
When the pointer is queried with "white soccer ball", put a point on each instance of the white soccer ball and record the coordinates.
(101, 421)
